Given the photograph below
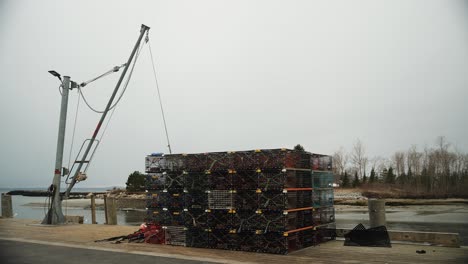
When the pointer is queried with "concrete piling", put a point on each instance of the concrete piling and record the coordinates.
(111, 210)
(376, 212)
(7, 206)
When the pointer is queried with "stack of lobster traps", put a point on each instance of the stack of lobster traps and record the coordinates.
(273, 201)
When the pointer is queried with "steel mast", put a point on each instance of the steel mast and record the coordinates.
(54, 215)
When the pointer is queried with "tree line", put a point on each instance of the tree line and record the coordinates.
(440, 170)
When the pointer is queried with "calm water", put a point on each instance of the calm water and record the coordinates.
(38, 213)
(424, 219)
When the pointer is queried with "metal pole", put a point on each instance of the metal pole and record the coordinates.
(144, 28)
(54, 215)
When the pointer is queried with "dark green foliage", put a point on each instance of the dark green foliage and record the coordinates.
(390, 177)
(410, 175)
(402, 179)
(364, 179)
(425, 179)
(345, 182)
(136, 182)
(356, 182)
(299, 147)
(372, 176)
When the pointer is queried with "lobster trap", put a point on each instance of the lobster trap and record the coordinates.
(323, 197)
(324, 215)
(166, 217)
(166, 199)
(282, 200)
(260, 201)
(175, 235)
(322, 179)
(321, 162)
(197, 218)
(277, 221)
(165, 180)
(221, 199)
(195, 199)
(159, 163)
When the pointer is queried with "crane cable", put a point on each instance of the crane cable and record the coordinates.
(115, 69)
(159, 95)
(74, 129)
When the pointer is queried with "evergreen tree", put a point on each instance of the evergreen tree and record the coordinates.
(372, 176)
(356, 180)
(136, 182)
(390, 176)
(299, 147)
(364, 179)
(425, 180)
(409, 176)
(402, 179)
(345, 182)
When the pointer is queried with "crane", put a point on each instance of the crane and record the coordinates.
(54, 214)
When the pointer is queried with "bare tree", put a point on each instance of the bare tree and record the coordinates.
(358, 157)
(414, 160)
(442, 159)
(440, 170)
(340, 160)
(399, 162)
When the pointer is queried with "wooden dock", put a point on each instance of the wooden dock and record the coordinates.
(83, 236)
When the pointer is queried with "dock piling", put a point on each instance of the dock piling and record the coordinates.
(111, 211)
(376, 212)
(93, 209)
(7, 206)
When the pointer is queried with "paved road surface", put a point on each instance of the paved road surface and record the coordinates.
(20, 252)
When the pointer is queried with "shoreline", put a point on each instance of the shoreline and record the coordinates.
(340, 204)
(123, 203)
(404, 202)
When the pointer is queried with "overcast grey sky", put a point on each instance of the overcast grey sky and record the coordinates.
(234, 75)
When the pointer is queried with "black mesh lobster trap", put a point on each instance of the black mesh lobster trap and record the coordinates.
(166, 180)
(324, 215)
(171, 199)
(195, 199)
(284, 178)
(282, 200)
(175, 235)
(166, 217)
(260, 201)
(160, 163)
(197, 218)
(199, 237)
(240, 160)
(264, 221)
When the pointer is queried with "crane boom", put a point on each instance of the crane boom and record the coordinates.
(83, 160)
